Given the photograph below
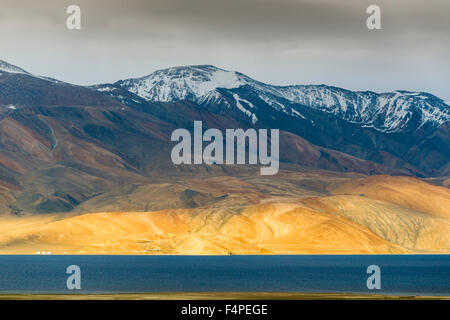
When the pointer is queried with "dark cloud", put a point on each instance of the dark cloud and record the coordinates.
(280, 41)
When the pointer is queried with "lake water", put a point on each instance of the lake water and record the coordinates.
(406, 275)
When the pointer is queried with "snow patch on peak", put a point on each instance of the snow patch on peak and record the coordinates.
(191, 83)
(239, 101)
(106, 89)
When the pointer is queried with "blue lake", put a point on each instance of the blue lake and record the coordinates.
(400, 274)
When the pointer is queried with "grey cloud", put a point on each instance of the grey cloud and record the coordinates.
(281, 41)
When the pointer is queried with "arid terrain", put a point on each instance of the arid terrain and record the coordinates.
(88, 170)
(314, 212)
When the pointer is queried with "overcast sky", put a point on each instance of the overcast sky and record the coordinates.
(275, 41)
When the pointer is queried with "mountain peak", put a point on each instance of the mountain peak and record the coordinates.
(204, 67)
(186, 71)
(183, 83)
(10, 68)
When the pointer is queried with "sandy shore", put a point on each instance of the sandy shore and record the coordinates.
(217, 296)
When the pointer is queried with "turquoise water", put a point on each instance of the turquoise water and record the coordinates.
(406, 275)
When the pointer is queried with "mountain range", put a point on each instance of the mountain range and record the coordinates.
(87, 169)
(397, 111)
(62, 145)
(407, 129)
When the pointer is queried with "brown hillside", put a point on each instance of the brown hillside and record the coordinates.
(405, 191)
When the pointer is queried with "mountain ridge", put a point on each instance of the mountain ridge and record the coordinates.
(10, 68)
(22, 88)
(202, 84)
(56, 115)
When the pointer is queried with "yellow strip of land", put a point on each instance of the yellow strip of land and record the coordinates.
(218, 296)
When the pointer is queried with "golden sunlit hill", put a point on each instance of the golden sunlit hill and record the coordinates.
(292, 213)
(405, 191)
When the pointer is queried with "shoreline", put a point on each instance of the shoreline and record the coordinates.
(229, 255)
(219, 296)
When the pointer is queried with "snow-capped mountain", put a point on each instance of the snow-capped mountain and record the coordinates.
(388, 112)
(205, 85)
(193, 83)
(338, 123)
